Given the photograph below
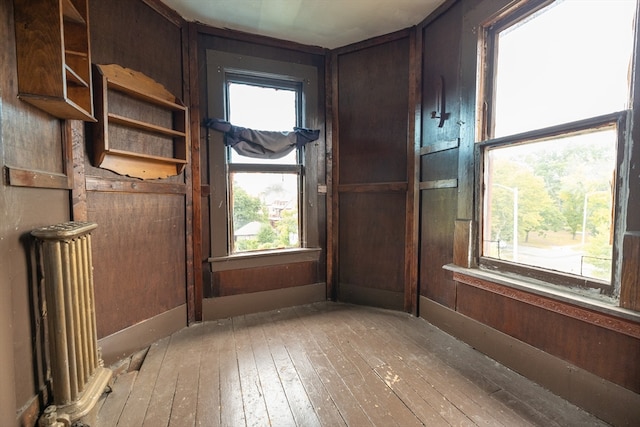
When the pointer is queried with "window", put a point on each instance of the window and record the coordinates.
(261, 211)
(554, 106)
(264, 193)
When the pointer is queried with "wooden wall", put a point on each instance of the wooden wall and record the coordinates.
(140, 248)
(439, 155)
(31, 141)
(370, 98)
(605, 345)
(140, 245)
(275, 276)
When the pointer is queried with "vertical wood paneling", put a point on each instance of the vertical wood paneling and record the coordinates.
(630, 286)
(439, 159)
(436, 245)
(372, 112)
(138, 256)
(373, 142)
(371, 246)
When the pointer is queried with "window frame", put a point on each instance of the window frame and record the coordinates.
(276, 82)
(484, 125)
(620, 121)
(220, 63)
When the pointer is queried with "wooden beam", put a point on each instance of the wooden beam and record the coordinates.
(462, 243)
(117, 185)
(329, 175)
(439, 183)
(413, 174)
(39, 179)
(376, 187)
(630, 282)
(333, 178)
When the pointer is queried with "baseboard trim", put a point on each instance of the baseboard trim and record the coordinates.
(372, 297)
(604, 399)
(124, 343)
(255, 302)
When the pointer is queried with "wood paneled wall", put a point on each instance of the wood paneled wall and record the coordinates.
(140, 245)
(371, 82)
(447, 196)
(32, 142)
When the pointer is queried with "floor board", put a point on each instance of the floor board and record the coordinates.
(326, 364)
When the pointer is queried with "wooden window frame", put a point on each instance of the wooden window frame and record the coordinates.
(258, 70)
(518, 11)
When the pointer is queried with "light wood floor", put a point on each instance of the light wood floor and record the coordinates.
(326, 364)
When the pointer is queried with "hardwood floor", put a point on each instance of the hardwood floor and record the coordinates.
(326, 364)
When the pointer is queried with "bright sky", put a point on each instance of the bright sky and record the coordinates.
(269, 109)
(567, 63)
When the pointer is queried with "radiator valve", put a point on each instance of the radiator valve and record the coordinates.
(50, 418)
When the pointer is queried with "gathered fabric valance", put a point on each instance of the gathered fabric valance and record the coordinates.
(262, 144)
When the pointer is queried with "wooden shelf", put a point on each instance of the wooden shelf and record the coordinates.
(55, 78)
(148, 127)
(71, 13)
(141, 88)
(74, 78)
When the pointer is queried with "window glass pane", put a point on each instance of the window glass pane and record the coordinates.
(569, 61)
(262, 108)
(549, 203)
(265, 211)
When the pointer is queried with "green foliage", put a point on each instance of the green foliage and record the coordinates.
(536, 210)
(562, 184)
(246, 208)
(598, 255)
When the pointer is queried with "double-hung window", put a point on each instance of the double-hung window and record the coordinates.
(263, 208)
(553, 114)
(264, 194)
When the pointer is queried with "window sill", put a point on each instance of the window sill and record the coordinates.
(264, 258)
(598, 309)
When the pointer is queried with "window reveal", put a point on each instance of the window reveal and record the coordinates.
(557, 92)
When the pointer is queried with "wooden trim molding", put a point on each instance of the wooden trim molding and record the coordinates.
(228, 33)
(117, 185)
(374, 41)
(169, 14)
(414, 131)
(602, 320)
(377, 187)
(463, 243)
(124, 343)
(255, 302)
(38, 179)
(630, 286)
(439, 183)
(439, 146)
(264, 258)
(364, 295)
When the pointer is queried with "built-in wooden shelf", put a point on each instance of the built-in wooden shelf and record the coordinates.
(54, 57)
(71, 13)
(108, 154)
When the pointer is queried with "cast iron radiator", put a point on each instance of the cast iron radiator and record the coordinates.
(78, 377)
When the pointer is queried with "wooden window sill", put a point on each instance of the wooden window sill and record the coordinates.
(595, 309)
(264, 258)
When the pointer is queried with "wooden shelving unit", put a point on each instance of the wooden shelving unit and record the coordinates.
(54, 56)
(110, 79)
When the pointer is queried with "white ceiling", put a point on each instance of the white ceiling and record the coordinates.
(325, 23)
